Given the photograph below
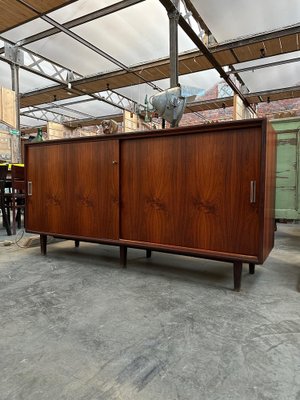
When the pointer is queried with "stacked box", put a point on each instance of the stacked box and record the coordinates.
(5, 146)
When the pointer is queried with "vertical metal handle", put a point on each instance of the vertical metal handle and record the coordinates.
(252, 191)
(29, 188)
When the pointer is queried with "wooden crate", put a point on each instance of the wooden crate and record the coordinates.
(8, 107)
(5, 146)
(60, 131)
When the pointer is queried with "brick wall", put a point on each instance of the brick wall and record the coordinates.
(275, 109)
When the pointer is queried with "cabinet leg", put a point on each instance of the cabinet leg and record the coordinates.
(6, 221)
(76, 243)
(237, 275)
(43, 242)
(148, 253)
(251, 268)
(123, 256)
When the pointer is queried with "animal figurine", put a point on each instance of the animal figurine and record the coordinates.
(109, 126)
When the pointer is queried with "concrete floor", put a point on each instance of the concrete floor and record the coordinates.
(76, 326)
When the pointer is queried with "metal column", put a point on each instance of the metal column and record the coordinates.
(16, 139)
(173, 31)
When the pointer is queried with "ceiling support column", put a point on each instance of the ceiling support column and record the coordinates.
(16, 138)
(16, 89)
(173, 32)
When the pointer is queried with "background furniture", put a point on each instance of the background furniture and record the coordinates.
(3, 199)
(205, 191)
(287, 206)
(12, 179)
(17, 195)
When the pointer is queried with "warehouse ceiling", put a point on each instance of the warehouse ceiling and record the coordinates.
(79, 61)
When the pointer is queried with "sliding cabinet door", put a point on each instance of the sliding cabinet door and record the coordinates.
(74, 188)
(198, 191)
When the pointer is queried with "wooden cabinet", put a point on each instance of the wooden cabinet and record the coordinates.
(205, 191)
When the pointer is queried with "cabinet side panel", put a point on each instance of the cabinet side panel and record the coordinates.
(193, 190)
(269, 199)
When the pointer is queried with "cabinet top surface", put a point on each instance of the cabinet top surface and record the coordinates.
(185, 130)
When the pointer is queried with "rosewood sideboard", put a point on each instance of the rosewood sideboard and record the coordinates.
(204, 191)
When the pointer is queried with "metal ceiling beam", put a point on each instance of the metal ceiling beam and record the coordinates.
(188, 14)
(194, 107)
(35, 63)
(78, 101)
(260, 37)
(239, 42)
(265, 65)
(96, 96)
(74, 36)
(247, 40)
(197, 16)
(78, 21)
(60, 74)
(271, 92)
(48, 114)
(169, 6)
(210, 57)
(125, 102)
(173, 44)
(24, 20)
(41, 66)
(112, 98)
(66, 108)
(209, 38)
(86, 43)
(189, 55)
(45, 115)
(77, 122)
(81, 20)
(111, 95)
(211, 104)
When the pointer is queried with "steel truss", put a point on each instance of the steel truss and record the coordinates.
(44, 67)
(33, 62)
(46, 115)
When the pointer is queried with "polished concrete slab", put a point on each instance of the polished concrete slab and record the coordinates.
(75, 326)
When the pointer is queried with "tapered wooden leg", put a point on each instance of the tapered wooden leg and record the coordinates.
(18, 219)
(237, 275)
(76, 243)
(148, 253)
(8, 215)
(6, 222)
(123, 256)
(14, 214)
(251, 268)
(43, 242)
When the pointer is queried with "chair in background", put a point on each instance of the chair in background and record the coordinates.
(3, 198)
(17, 195)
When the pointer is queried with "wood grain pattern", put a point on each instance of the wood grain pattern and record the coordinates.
(269, 177)
(74, 189)
(192, 191)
